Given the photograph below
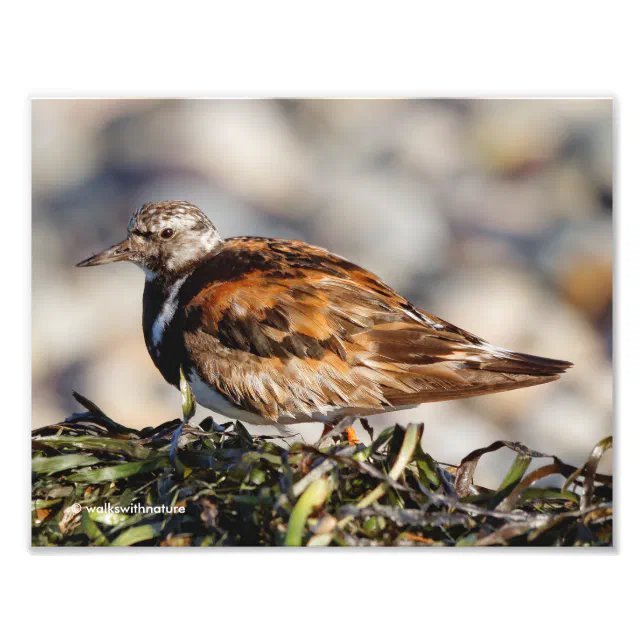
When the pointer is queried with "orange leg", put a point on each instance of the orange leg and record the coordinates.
(351, 435)
(350, 432)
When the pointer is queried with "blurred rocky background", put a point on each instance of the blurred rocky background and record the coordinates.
(493, 214)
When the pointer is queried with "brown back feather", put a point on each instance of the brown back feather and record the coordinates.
(289, 328)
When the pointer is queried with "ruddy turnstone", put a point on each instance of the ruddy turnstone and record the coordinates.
(274, 331)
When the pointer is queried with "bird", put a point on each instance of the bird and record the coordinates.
(279, 332)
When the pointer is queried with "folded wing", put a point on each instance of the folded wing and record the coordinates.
(291, 331)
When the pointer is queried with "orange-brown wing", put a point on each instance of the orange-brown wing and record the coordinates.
(295, 330)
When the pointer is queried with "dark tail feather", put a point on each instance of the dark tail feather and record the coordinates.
(523, 363)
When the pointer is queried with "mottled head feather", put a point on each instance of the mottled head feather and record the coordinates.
(154, 217)
(193, 237)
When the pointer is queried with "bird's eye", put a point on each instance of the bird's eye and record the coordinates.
(166, 233)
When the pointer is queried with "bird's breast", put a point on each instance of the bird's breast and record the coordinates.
(162, 328)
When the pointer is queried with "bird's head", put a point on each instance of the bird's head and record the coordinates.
(164, 239)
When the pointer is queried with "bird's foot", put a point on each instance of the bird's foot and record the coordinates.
(342, 427)
(351, 436)
(174, 444)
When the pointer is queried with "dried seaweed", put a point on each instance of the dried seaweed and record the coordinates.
(228, 488)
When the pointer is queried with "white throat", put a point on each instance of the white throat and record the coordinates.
(150, 276)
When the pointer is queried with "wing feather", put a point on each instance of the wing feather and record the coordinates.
(296, 330)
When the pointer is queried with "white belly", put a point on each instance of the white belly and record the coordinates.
(211, 399)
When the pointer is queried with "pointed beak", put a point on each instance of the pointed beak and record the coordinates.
(118, 253)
